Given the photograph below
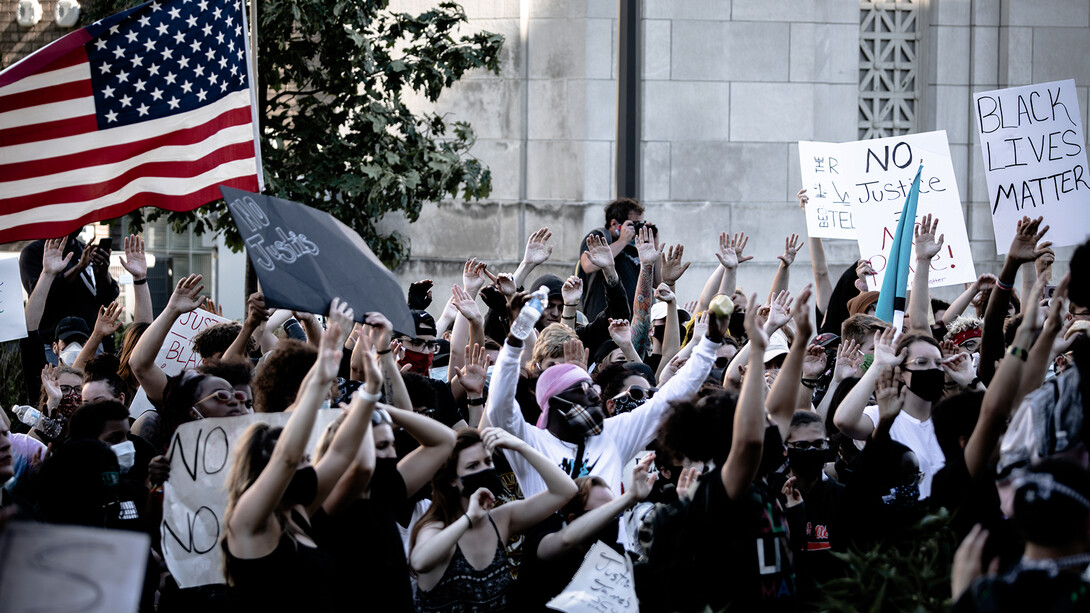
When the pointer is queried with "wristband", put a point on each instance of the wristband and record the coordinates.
(367, 396)
(140, 281)
(469, 520)
(476, 402)
(573, 304)
(1018, 352)
(383, 352)
(976, 381)
(572, 317)
(999, 283)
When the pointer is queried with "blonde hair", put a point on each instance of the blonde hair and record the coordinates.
(961, 324)
(550, 343)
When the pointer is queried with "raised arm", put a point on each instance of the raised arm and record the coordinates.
(256, 314)
(472, 377)
(572, 294)
(537, 251)
(591, 264)
(783, 274)
(672, 266)
(849, 417)
(106, 325)
(849, 362)
(823, 284)
(254, 509)
(781, 403)
(1041, 355)
(186, 297)
(559, 488)
(730, 257)
(671, 334)
(984, 282)
(468, 327)
(136, 263)
(587, 526)
(645, 285)
(53, 263)
(747, 439)
(927, 247)
(621, 333)
(436, 444)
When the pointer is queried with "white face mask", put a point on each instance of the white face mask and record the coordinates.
(126, 455)
(70, 353)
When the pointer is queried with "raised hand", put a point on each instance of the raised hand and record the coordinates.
(985, 282)
(803, 198)
(381, 330)
(465, 304)
(341, 315)
(890, 399)
(51, 386)
(574, 353)
(690, 306)
(801, 313)
(187, 296)
(730, 249)
(645, 246)
(664, 293)
(927, 246)
(959, 367)
(212, 307)
(473, 278)
(687, 480)
(863, 269)
(884, 346)
(474, 373)
(495, 439)
(969, 562)
(505, 282)
(420, 294)
(1026, 245)
(790, 250)
(1043, 265)
(948, 348)
(779, 311)
(329, 351)
(598, 252)
(620, 331)
(700, 325)
(572, 290)
(791, 493)
(256, 312)
(537, 248)
(813, 364)
(372, 373)
(849, 361)
(135, 261)
(53, 259)
(672, 267)
(109, 320)
(758, 339)
(642, 477)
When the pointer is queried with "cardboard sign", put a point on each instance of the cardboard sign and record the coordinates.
(46, 567)
(1035, 160)
(829, 210)
(177, 353)
(12, 316)
(305, 257)
(603, 583)
(195, 496)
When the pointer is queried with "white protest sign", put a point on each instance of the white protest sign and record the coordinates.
(829, 209)
(195, 495)
(882, 170)
(602, 584)
(12, 319)
(1035, 160)
(176, 354)
(45, 567)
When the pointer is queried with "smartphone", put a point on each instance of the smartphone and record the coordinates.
(1050, 291)
(106, 243)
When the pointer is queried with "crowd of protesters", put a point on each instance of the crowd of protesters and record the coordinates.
(733, 448)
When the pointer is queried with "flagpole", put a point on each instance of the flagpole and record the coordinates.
(251, 44)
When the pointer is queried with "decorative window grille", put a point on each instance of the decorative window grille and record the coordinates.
(890, 45)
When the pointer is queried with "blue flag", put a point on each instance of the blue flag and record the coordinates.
(891, 298)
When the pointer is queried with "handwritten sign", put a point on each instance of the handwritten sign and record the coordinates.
(176, 354)
(45, 567)
(12, 320)
(305, 258)
(603, 583)
(195, 495)
(829, 209)
(1035, 160)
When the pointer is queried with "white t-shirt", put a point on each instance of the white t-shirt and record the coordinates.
(919, 436)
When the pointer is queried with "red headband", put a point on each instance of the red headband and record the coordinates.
(965, 335)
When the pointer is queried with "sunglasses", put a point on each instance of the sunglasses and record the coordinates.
(804, 445)
(637, 393)
(226, 396)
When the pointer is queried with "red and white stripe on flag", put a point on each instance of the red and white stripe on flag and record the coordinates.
(150, 107)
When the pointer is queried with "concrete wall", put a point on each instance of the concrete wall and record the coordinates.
(729, 87)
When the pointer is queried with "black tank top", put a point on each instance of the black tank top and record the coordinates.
(464, 589)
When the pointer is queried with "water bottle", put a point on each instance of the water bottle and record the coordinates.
(50, 428)
(530, 313)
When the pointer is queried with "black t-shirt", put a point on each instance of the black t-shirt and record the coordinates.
(368, 554)
(540, 580)
(627, 263)
(814, 562)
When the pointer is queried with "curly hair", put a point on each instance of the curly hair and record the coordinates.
(961, 324)
(280, 375)
(700, 430)
(216, 339)
(233, 371)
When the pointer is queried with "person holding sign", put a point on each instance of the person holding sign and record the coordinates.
(272, 490)
(457, 547)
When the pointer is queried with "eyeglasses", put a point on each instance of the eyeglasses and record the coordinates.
(638, 393)
(226, 396)
(1082, 315)
(804, 445)
(70, 389)
(419, 345)
(924, 363)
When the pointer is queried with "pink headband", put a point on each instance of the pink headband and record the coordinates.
(554, 380)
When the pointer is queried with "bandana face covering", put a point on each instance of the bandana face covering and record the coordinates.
(584, 421)
(903, 496)
(625, 403)
(421, 362)
(69, 403)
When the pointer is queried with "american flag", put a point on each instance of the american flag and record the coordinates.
(149, 107)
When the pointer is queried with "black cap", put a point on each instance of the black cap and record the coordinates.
(425, 323)
(551, 281)
(71, 328)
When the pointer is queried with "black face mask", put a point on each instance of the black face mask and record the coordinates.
(928, 384)
(487, 478)
(303, 487)
(807, 463)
